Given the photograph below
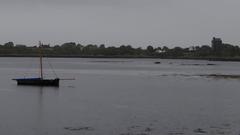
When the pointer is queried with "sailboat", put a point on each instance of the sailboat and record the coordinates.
(38, 81)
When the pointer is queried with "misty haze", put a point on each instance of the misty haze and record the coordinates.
(115, 22)
(119, 67)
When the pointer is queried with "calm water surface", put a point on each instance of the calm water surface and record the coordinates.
(120, 97)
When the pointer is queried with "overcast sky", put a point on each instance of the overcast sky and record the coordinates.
(117, 22)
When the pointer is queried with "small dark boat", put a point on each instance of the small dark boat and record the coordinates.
(39, 81)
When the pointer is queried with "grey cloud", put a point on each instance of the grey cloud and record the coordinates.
(84, 2)
(116, 22)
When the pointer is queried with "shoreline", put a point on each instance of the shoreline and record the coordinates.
(127, 57)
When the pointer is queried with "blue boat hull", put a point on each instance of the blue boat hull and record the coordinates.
(38, 81)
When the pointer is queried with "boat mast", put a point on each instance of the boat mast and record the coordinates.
(40, 56)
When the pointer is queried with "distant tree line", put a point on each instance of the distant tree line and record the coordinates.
(216, 49)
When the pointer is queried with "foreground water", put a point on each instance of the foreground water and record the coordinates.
(121, 97)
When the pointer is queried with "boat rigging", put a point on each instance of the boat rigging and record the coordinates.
(39, 81)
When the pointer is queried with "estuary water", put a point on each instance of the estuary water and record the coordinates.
(121, 97)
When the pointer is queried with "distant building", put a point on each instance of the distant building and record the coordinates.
(192, 48)
(216, 43)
